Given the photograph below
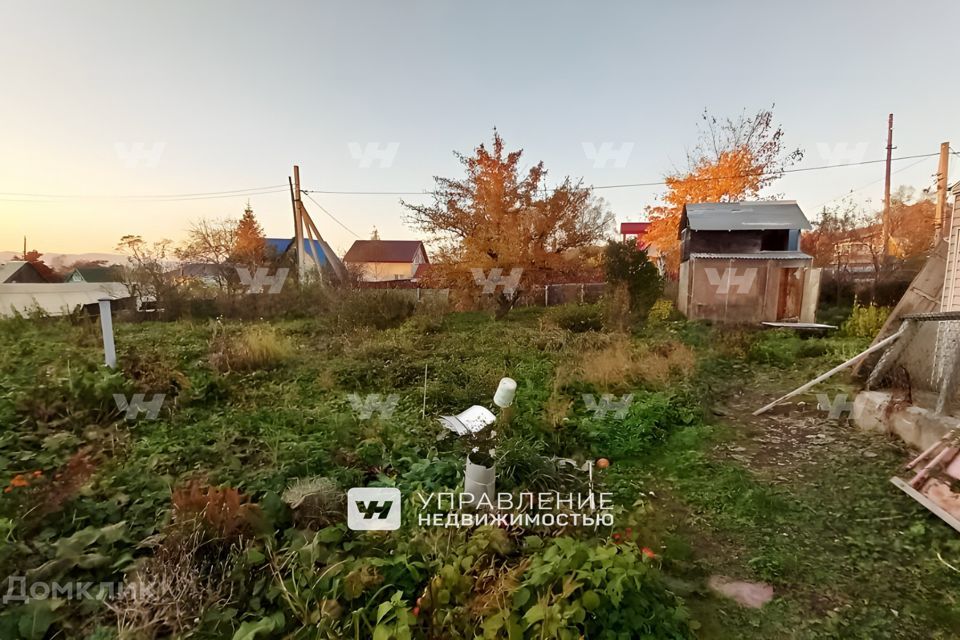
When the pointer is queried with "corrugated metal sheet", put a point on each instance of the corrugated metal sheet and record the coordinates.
(760, 255)
(745, 216)
(56, 298)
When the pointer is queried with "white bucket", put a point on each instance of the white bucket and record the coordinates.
(506, 391)
(480, 480)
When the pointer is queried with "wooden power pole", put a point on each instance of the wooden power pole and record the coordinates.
(298, 221)
(886, 192)
(941, 192)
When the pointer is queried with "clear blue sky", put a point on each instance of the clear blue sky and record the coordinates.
(231, 93)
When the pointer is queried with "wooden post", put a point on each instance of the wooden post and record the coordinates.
(106, 326)
(298, 221)
(941, 191)
(886, 194)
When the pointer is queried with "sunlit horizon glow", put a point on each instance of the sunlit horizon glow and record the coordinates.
(105, 102)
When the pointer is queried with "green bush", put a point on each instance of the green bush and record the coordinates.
(624, 263)
(649, 418)
(865, 321)
(377, 308)
(575, 317)
(780, 348)
(577, 589)
(660, 312)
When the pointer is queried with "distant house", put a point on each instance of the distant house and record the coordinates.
(740, 262)
(211, 275)
(382, 260)
(639, 230)
(112, 273)
(20, 271)
(318, 249)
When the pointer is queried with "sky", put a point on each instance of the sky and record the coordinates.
(112, 111)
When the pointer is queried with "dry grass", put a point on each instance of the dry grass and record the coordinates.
(621, 362)
(259, 347)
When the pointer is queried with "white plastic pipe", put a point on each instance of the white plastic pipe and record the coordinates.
(106, 326)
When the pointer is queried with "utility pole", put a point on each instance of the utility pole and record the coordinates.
(941, 192)
(886, 192)
(298, 221)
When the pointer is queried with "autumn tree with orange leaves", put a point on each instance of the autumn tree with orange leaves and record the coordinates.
(498, 216)
(734, 160)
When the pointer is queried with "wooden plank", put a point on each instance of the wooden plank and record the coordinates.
(840, 367)
(934, 508)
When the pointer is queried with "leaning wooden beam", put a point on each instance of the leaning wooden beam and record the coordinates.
(880, 345)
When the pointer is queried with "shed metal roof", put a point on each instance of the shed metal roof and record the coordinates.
(759, 255)
(744, 216)
(56, 299)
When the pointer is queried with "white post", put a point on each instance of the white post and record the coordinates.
(106, 326)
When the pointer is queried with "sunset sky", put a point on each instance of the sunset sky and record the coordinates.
(107, 105)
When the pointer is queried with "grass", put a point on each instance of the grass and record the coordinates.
(261, 408)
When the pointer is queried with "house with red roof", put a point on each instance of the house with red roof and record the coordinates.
(386, 260)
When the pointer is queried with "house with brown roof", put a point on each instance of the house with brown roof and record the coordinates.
(383, 260)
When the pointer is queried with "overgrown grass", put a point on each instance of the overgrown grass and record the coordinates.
(250, 409)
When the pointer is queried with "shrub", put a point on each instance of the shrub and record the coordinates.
(626, 263)
(575, 317)
(576, 589)
(377, 308)
(660, 312)
(865, 321)
(779, 348)
(649, 418)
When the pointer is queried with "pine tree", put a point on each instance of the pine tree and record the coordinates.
(250, 245)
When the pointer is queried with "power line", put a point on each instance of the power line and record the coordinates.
(330, 215)
(658, 183)
(251, 191)
(270, 189)
(869, 184)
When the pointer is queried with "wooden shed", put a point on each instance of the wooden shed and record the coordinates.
(741, 263)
